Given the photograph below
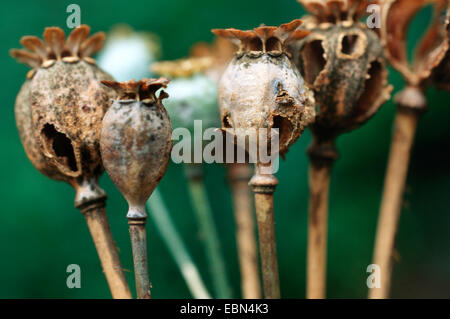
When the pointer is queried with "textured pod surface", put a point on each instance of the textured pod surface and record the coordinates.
(136, 141)
(24, 123)
(68, 104)
(261, 88)
(344, 65)
(60, 107)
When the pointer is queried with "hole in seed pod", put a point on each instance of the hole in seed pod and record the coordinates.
(51, 56)
(372, 88)
(254, 44)
(349, 44)
(273, 44)
(59, 144)
(313, 61)
(65, 53)
(226, 121)
(284, 127)
(129, 96)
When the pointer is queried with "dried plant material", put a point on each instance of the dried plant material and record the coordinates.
(396, 17)
(261, 88)
(345, 68)
(58, 111)
(411, 103)
(56, 48)
(60, 108)
(342, 62)
(135, 144)
(334, 11)
(136, 140)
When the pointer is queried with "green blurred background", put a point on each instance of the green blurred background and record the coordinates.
(41, 232)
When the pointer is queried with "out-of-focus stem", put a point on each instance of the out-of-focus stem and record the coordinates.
(208, 229)
(160, 215)
(263, 184)
(239, 176)
(411, 103)
(322, 155)
(107, 251)
(139, 246)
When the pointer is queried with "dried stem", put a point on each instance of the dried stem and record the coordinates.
(208, 229)
(239, 176)
(394, 185)
(160, 215)
(106, 248)
(139, 246)
(322, 155)
(263, 185)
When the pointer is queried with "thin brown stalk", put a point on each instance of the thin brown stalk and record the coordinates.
(263, 186)
(394, 185)
(107, 251)
(139, 245)
(319, 183)
(239, 176)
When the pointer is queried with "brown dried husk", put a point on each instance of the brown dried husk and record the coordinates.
(343, 64)
(60, 107)
(261, 88)
(136, 141)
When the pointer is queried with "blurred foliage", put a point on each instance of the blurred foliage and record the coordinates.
(41, 232)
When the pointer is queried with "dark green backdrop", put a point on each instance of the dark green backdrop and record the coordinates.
(41, 232)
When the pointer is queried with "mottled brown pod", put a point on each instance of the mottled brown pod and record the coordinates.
(261, 89)
(342, 62)
(135, 144)
(58, 113)
(429, 66)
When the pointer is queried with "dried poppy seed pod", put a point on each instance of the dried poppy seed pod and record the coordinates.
(58, 114)
(261, 88)
(66, 103)
(426, 67)
(135, 144)
(396, 18)
(342, 61)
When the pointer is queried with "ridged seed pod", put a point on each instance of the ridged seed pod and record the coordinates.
(136, 140)
(342, 61)
(58, 111)
(60, 107)
(261, 88)
(135, 145)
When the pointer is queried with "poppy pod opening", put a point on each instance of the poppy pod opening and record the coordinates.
(261, 88)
